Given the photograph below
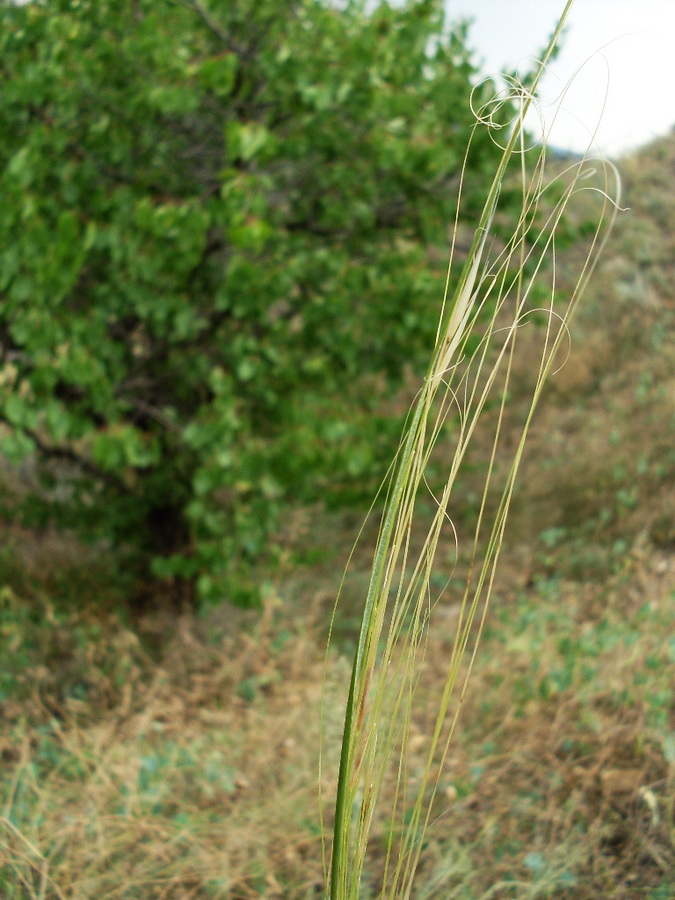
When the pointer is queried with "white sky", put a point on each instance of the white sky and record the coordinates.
(630, 45)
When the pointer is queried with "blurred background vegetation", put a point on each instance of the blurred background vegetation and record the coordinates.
(216, 234)
(223, 240)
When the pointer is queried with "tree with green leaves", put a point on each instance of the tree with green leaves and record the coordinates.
(214, 235)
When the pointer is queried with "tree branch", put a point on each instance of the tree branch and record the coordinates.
(215, 27)
(65, 453)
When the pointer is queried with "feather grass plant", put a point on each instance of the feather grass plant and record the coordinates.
(467, 384)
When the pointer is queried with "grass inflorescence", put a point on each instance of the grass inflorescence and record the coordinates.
(466, 390)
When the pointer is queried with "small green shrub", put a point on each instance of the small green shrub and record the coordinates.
(213, 222)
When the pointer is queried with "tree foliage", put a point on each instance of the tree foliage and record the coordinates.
(214, 230)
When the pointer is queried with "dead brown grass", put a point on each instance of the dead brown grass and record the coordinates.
(201, 780)
(194, 782)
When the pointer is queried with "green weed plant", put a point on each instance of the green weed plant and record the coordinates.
(466, 389)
